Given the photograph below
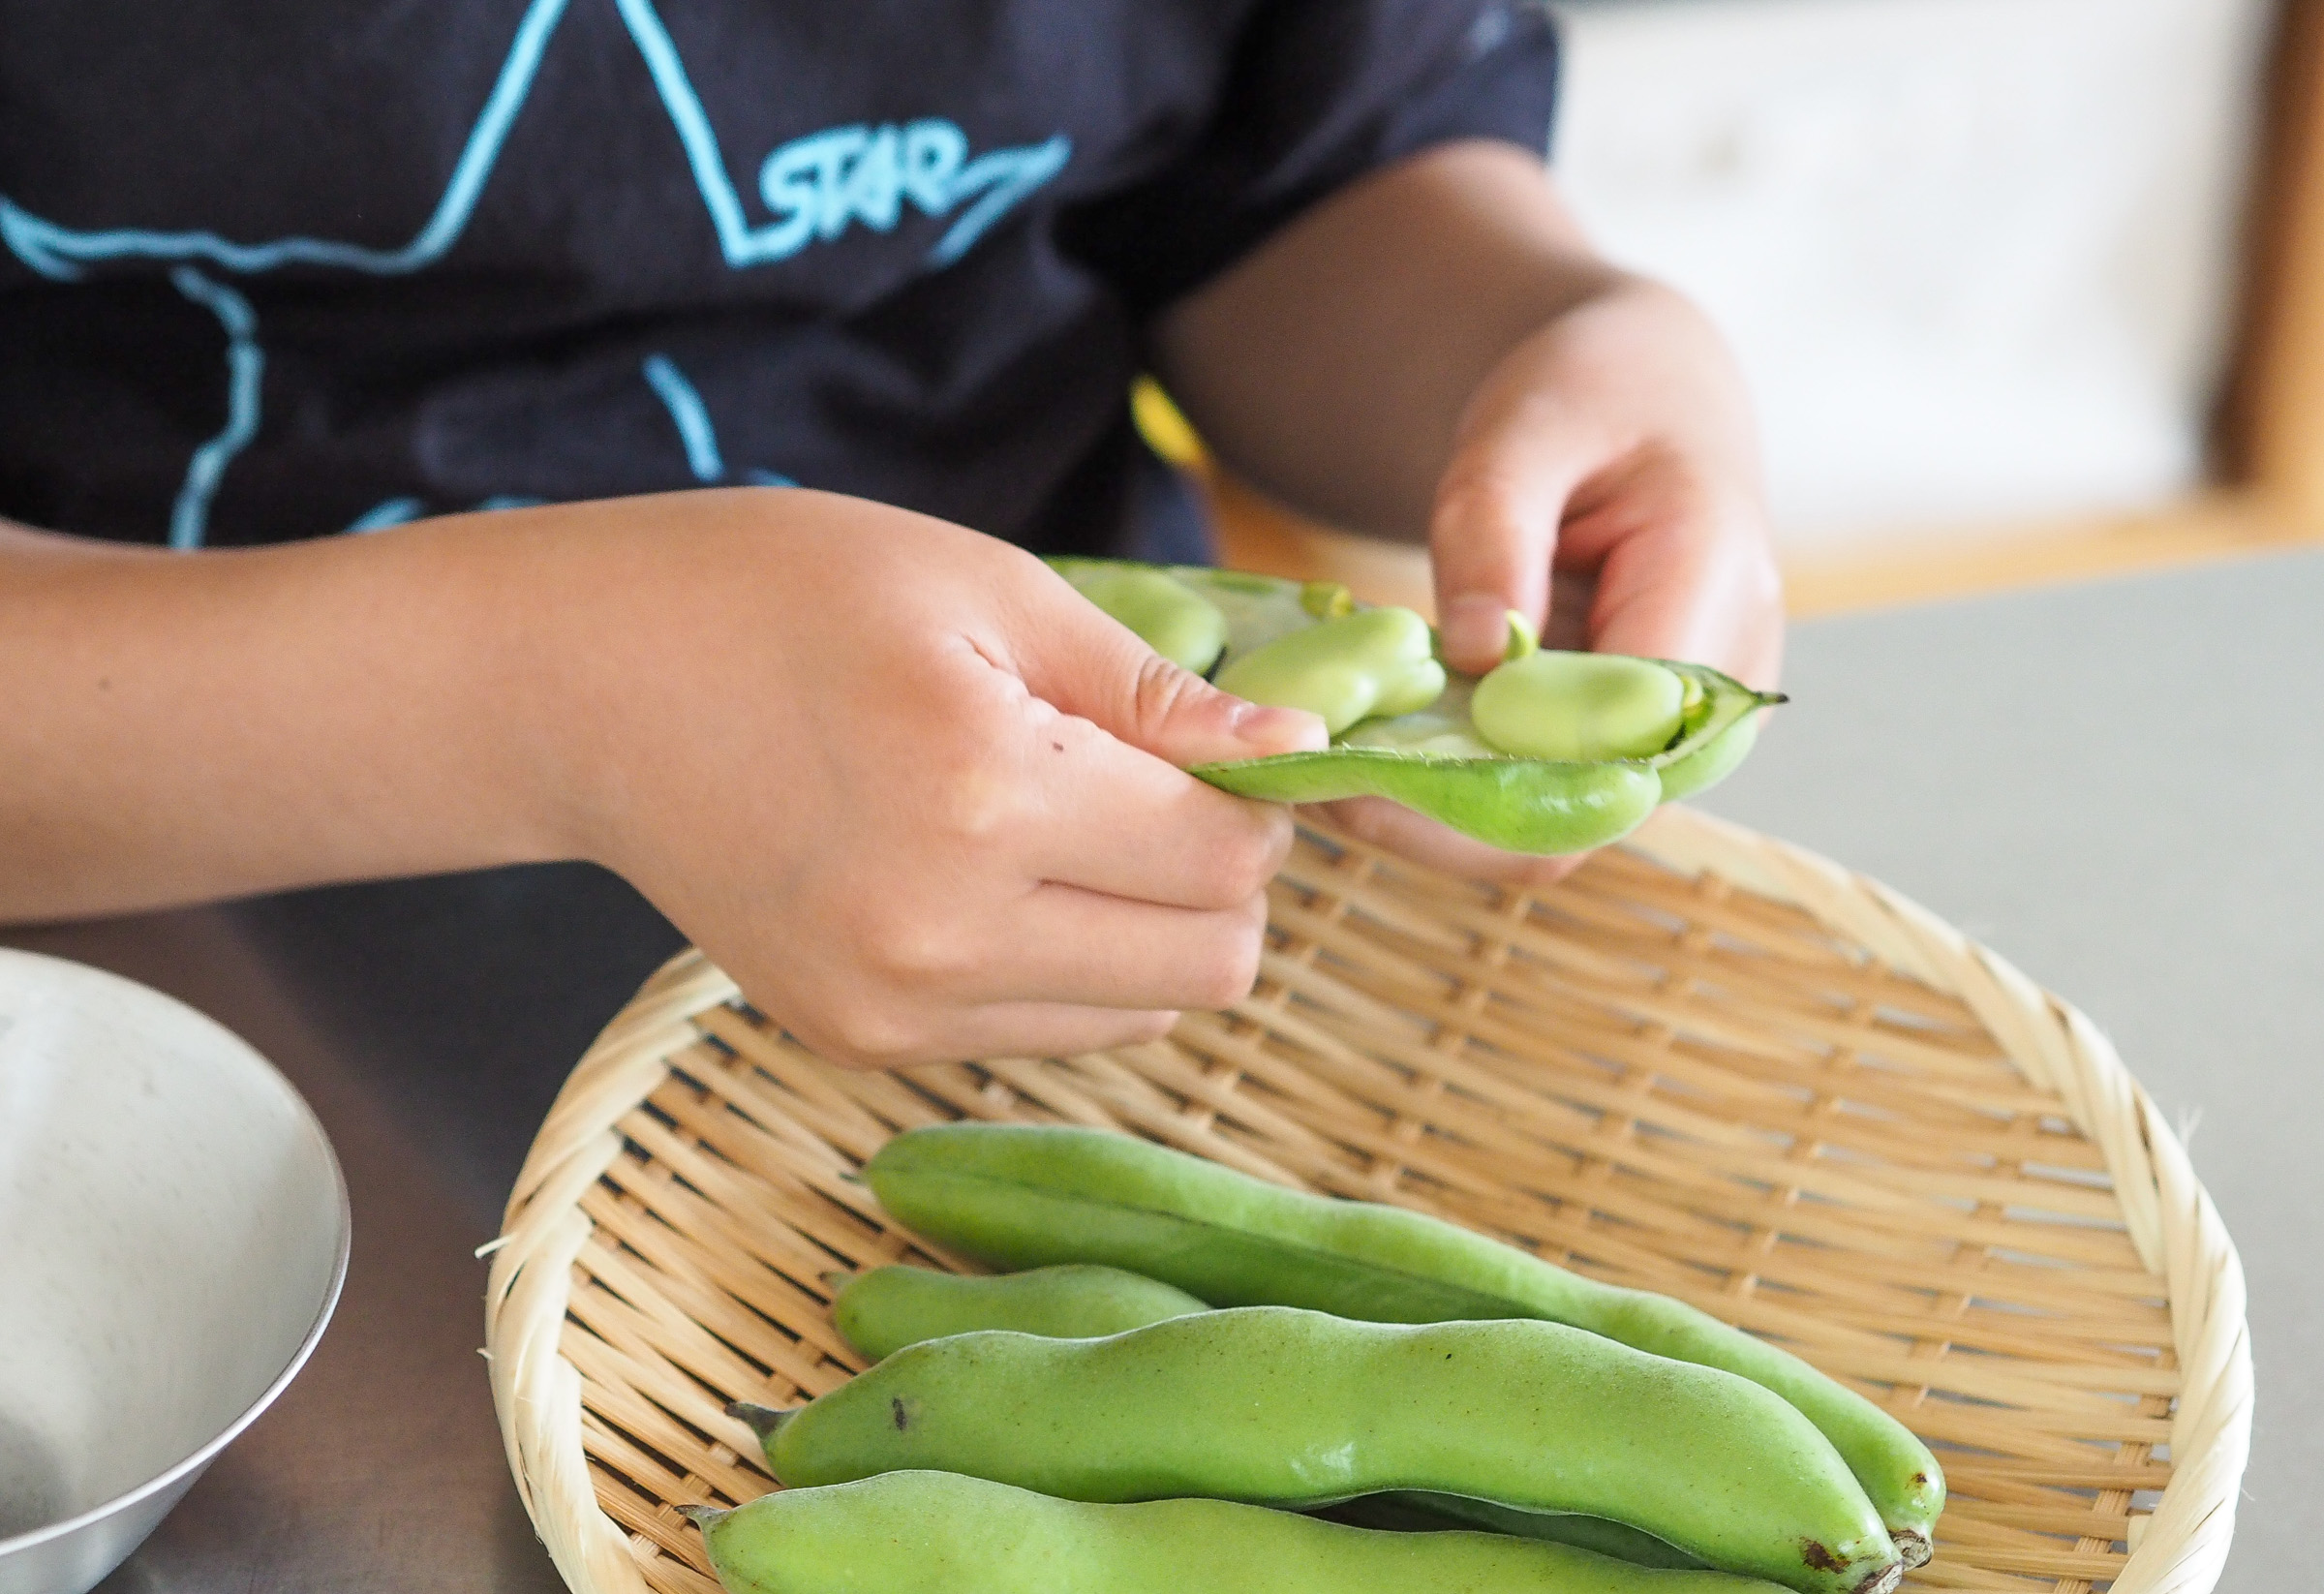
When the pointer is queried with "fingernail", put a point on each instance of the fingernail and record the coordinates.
(1281, 730)
(1475, 627)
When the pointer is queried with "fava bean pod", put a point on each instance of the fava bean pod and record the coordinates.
(882, 1312)
(1552, 753)
(1411, 1511)
(1025, 1196)
(1272, 1405)
(942, 1533)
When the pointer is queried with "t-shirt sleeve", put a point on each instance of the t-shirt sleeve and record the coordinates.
(1317, 93)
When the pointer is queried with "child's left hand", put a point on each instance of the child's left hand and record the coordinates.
(1436, 351)
(1606, 447)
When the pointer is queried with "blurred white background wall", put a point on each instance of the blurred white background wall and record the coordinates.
(1979, 257)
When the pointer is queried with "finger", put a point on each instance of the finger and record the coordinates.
(1572, 596)
(1684, 586)
(1001, 1029)
(1072, 654)
(1495, 528)
(1423, 841)
(1080, 949)
(1043, 1030)
(1108, 818)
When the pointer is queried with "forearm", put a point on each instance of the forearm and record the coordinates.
(180, 727)
(1333, 367)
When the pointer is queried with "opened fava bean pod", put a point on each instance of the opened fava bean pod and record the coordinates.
(1402, 728)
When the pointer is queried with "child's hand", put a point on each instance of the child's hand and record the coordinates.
(1614, 447)
(912, 790)
(915, 793)
(1436, 351)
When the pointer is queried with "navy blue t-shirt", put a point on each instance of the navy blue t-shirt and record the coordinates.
(275, 268)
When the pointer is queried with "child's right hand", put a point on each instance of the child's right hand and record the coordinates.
(914, 792)
(920, 799)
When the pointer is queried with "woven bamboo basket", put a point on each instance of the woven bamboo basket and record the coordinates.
(1707, 1063)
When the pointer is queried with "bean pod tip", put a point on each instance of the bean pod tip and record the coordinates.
(764, 1421)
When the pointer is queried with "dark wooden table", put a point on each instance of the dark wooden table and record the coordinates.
(2116, 785)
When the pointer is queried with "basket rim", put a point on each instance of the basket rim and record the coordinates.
(2170, 1217)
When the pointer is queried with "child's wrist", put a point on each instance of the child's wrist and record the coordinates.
(501, 742)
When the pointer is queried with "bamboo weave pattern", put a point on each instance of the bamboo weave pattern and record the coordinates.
(1707, 1063)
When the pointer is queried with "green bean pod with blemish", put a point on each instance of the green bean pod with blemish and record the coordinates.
(1531, 773)
(1025, 1196)
(943, 1533)
(1272, 1405)
(881, 1312)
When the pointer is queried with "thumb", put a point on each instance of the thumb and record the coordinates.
(1494, 531)
(1084, 662)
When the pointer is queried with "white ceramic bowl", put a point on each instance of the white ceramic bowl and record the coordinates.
(173, 1232)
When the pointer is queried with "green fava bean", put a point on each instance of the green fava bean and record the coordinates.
(881, 1312)
(942, 1533)
(1272, 1405)
(1366, 663)
(1171, 617)
(1581, 707)
(1025, 1196)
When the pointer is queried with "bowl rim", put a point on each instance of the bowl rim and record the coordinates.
(343, 1213)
